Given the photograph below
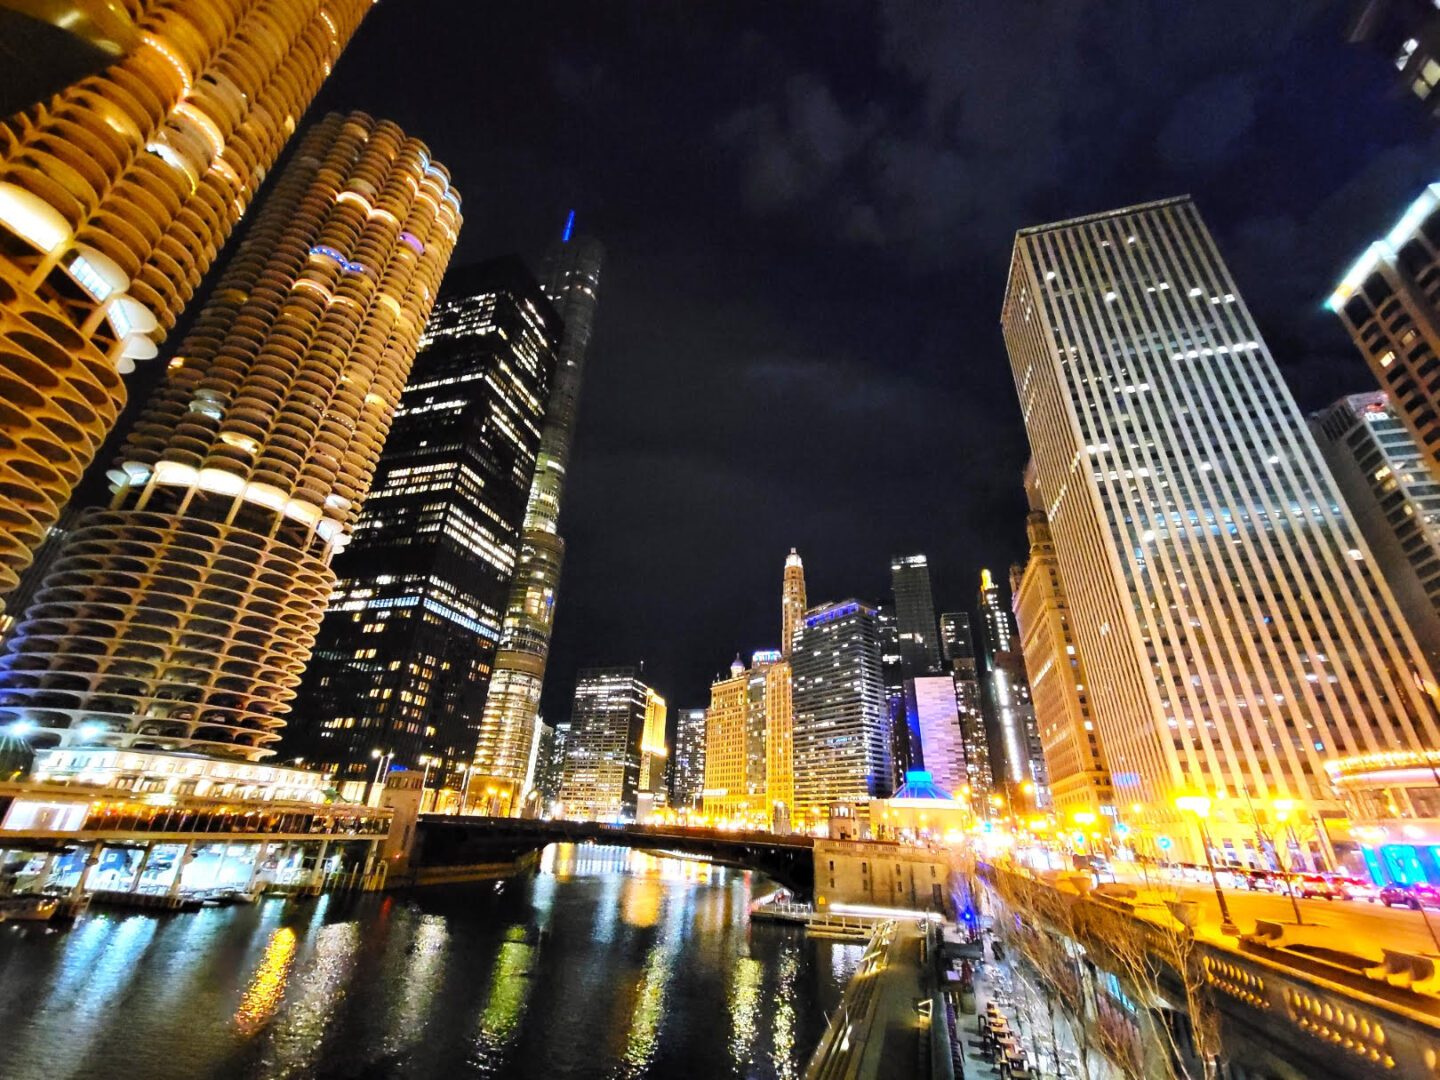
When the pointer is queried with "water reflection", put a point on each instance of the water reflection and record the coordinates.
(267, 987)
(744, 1009)
(608, 963)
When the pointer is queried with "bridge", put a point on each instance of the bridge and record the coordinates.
(446, 845)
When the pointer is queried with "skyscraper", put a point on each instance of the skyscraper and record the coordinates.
(115, 195)
(841, 742)
(181, 616)
(404, 652)
(1235, 632)
(1389, 301)
(1406, 34)
(650, 789)
(503, 747)
(915, 613)
(931, 711)
(1396, 502)
(792, 601)
(734, 749)
(958, 649)
(1075, 769)
(748, 744)
(1010, 727)
(904, 742)
(687, 761)
(554, 745)
(607, 726)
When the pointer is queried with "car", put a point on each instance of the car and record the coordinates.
(1414, 895)
(1353, 888)
(1316, 886)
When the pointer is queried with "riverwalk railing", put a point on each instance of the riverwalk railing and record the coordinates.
(1273, 1006)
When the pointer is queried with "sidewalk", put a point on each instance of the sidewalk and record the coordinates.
(1023, 1005)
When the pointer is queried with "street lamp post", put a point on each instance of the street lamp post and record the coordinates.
(428, 762)
(382, 762)
(1199, 805)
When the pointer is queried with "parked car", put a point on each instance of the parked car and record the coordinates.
(1353, 888)
(1414, 895)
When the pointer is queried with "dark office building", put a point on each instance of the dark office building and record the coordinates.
(915, 613)
(957, 647)
(403, 658)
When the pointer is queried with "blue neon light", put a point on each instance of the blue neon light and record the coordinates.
(569, 228)
(830, 614)
(917, 776)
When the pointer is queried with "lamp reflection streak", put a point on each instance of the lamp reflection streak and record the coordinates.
(267, 986)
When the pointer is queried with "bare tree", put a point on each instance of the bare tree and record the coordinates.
(1155, 957)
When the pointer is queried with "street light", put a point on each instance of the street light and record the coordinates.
(427, 761)
(1199, 805)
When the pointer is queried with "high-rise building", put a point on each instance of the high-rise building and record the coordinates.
(904, 741)
(931, 710)
(1235, 631)
(1010, 727)
(1389, 301)
(749, 778)
(915, 613)
(503, 747)
(115, 195)
(842, 743)
(650, 791)
(1406, 34)
(601, 779)
(958, 649)
(792, 601)
(687, 762)
(550, 761)
(181, 616)
(734, 749)
(404, 652)
(1396, 502)
(1075, 771)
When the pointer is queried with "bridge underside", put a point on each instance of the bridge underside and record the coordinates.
(462, 841)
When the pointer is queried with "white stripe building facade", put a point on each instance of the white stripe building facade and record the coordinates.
(1236, 632)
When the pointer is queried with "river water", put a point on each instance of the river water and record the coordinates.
(606, 963)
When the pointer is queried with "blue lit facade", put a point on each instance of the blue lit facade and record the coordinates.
(404, 656)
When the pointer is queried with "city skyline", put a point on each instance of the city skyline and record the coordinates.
(699, 320)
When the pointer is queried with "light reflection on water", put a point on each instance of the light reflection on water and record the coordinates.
(608, 963)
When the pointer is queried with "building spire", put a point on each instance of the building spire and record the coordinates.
(792, 600)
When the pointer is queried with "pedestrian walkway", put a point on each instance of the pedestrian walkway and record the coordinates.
(1050, 1053)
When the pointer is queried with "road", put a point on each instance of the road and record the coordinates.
(1353, 926)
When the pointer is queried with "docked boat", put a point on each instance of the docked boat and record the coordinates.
(27, 909)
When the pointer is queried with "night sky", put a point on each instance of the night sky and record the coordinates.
(808, 209)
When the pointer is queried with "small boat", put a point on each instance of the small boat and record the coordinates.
(28, 908)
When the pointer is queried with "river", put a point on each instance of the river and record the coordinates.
(605, 963)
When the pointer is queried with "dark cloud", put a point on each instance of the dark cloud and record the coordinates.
(809, 210)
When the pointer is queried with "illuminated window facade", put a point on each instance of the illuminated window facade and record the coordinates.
(915, 615)
(686, 777)
(1235, 631)
(504, 745)
(403, 659)
(1395, 498)
(1389, 302)
(957, 647)
(1075, 770)
(181, 616)
(1016, 756)
(115, 196)
(841, 734)
(601, 779)
(792, 600)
